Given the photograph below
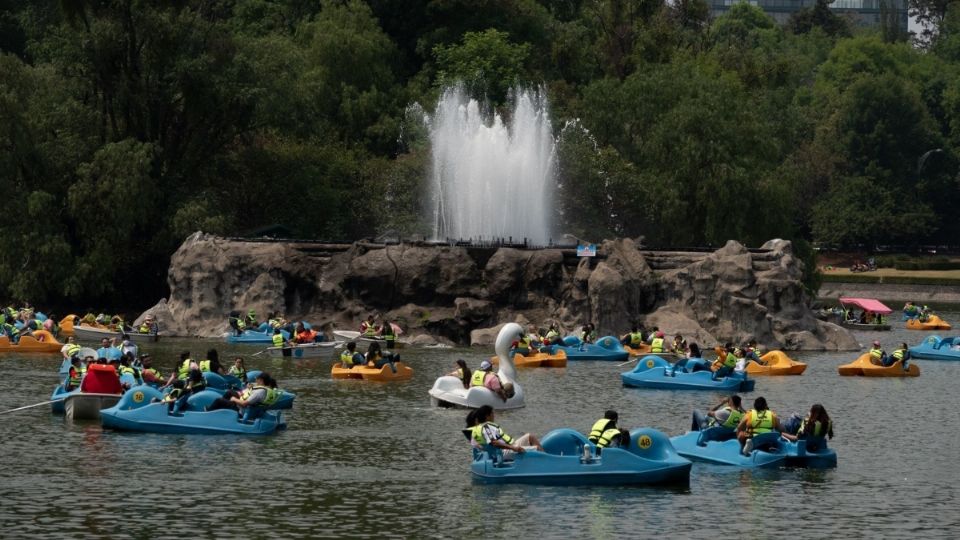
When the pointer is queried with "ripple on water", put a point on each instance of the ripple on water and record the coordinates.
(375, 460)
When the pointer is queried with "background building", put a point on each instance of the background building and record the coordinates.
(861, 12)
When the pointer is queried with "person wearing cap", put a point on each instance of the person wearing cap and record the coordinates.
(877, 356)
(491, 381)
(605, 432)
(150, 374)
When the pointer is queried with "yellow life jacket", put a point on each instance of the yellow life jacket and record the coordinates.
(74, 377)
(730, 361)
(818, 430)
(898, 354)
(607, 437)
(477, 378)
(154, 372)
(762, 422)
(72, 349)
(598, 428)
(876, 353)
(204, 366)
(346, 358)
(477, 432)
(183, 371)
(732, 420)
(277, 340)
(144, 328)
(636, 338)
(656, 346)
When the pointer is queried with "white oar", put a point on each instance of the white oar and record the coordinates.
(32, 406)
(634, 359)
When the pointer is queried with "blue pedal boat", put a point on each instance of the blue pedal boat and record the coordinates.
(606, 348)
(256, 337)
(570, 459)
(937, 348)
(137, 411)
(655, 372)
(719, 445)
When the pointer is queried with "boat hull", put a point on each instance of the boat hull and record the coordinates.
(776, 363)
(30, 344)
(89, 333)
(138, 412)
(862, 366)
(726, 452)
(369, 373)
(541, 359)
(607, 348)
(654, 372)
(87, 406)
(932, 323)
(936, 348)
(304, 350)
(649, 458)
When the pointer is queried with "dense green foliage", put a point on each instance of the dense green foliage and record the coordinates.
(126, 125)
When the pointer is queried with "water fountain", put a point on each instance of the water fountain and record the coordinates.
(489, 180)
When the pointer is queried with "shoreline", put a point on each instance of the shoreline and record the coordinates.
(893, 292)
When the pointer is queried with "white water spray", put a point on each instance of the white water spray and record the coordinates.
(491, 181)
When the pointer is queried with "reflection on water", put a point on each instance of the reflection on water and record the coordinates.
(375, 460)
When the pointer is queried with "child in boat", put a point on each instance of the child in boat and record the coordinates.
(485, 432)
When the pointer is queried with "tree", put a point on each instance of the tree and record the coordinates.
(819, 16)
(487, 62)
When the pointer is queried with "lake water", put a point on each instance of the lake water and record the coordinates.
(375, 460)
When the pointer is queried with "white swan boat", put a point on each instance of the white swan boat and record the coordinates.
(449, 391)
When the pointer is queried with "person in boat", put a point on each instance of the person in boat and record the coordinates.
(150, 374)
(388, 334)
(693, 353)
(657, 344)
(126, 368)
(522, 345)
(901, 353)
(238, 370)
(633, 338)
(553, 334)
(349, 357)
(759, 420)
(727, 414)
(534, 338)
(171, 397)
(70, 348)
(754, 352)
(910, 310)
(302, 335)
(368, 327)
(182, 370)
(741, 365)
(74, 375)
(251, 319)
(588, 334)
(729, 362)
(259, 393)
(605, 432)
(877, 355)
(462, 372)
(679, 346)
(194, 384)
(487, 378)
(485, 432)
(816, 424)
(237, 323)
(149, 325)
(12, 333)
(277, 338)
(128, 345)
(108, 349)
(377, 358)
(211, 363)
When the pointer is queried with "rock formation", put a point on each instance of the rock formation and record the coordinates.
(453, 294)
